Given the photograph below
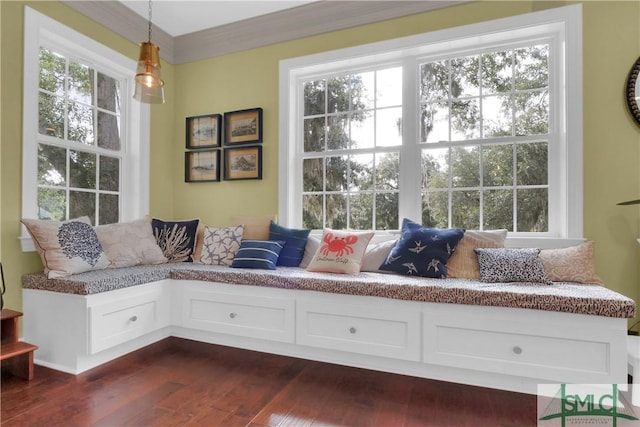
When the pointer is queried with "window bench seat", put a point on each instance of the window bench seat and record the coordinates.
(507, 336)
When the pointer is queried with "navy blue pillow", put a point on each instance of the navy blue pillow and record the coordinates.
(422, 251)
(296, 241)
(177, 239)
(258, 254)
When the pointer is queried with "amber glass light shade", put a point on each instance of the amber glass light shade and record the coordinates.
(149, 84)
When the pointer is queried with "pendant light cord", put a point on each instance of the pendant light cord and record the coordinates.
(149, 21)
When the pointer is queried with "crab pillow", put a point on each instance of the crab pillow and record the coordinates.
(340, 251)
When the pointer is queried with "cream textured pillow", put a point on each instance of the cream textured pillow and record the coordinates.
(310, 249)
(220, 245)
(463, 264)
(255, 227)
(340, 251)
(130, 243)
(572, 264)
(376, 254)
(66, 247)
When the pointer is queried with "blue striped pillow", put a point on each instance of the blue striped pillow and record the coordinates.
(258, 254)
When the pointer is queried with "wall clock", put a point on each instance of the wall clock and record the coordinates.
(633, 91)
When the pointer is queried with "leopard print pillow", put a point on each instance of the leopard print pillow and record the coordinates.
(503, 265)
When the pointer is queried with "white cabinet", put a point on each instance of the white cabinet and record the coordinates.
(238, 310)
(348, 325)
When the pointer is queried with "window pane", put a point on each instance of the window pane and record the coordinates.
(532, 67)
(465, 209)
(363, 91)
(52, 72)
(51, 115)
(361, 172)
(81, 80)
(387, 211)
(312, 174)
(465, 167)
(108, 131)
(314, 135)
(435, 168)
(532, 113)
(80, 123)
(465, 119)
(464, 77)
(109, 173)
(108, 93)
(336, 211)
(362, 131)
(387, 171)
(497, 165)
(434, 122)
(52, 204)
(109, 209)
(52, 165)
(336, 173)
(532, 164)
(314, 96)
(498, 209)
(497, 116)
(361, 212)
(435, 209)
(434, 82)
(533, 210)
(389, 87)
(497, 72)
(312, 211)
(338, 94)
(338, 132)
(389, 127)
(82, 203)
(82, 169)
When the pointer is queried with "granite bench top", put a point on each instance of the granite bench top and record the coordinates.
(560, 296)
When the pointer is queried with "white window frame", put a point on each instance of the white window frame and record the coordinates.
(562, 24)
(40, 30)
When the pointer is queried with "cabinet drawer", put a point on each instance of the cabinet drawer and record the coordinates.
(359, 329)
(250, 316)
(118, 321)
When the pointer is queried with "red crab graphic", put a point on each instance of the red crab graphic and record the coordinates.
(339, 245)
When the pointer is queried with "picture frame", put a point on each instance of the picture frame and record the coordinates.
(243, 127)
(243, 163)
(203, 131)
(202, 166)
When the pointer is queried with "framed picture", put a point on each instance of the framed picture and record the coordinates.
(204, 131)
(243, 127)
(243, 163)
(202, 166)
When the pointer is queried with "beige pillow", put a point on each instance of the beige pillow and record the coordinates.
(376, 254)
(67, 247)
(255, 227)
(572, 264)
(340, 251)
(130, 243)
(310, 249)
(463, 264)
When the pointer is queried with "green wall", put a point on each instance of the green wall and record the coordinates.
(250, 79)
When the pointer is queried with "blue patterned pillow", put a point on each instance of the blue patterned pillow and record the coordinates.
(422, 251)
(258, 254)
(503, 265)
(295, 239)
(177, 239)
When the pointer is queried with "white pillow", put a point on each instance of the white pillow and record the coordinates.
(220, 245)
(130, 243)
(340, 251)
(376, 254)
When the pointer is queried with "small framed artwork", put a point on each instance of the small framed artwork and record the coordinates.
(202, 166)
(243, 163)
(204, 131)
(243, 127)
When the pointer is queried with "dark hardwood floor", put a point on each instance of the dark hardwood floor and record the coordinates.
(178, 382)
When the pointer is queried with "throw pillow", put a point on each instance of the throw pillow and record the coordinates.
(310, 249)
(463, 264)
(130, 243)
(422, 251)
(295, 239)
(66, 247)
(503, 265)
(376, 254)
(220, 245)
(177, 239)
(572, 264)
(340, 251)
(258, 254)
(255, 227)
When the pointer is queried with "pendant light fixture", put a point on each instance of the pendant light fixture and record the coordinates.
(149, 84)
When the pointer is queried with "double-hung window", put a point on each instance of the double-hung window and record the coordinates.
(475, 127)
(84, 140)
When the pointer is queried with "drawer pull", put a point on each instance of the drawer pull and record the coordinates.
(352, 330)
(232, 315)
(133, 318)
(517, 349)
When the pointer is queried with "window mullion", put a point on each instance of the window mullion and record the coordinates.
(410, 197)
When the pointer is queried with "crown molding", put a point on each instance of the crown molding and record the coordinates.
(289, 24)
